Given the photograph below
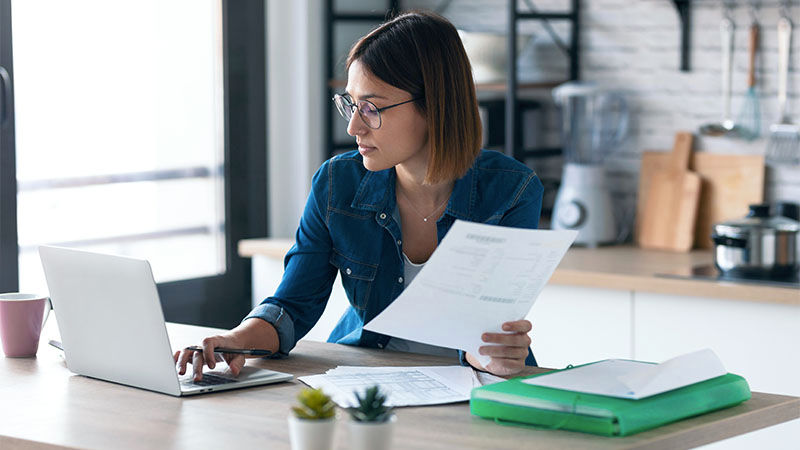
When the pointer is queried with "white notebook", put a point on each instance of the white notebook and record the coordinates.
(635, 379)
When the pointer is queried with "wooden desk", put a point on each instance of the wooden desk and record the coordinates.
(43, 405)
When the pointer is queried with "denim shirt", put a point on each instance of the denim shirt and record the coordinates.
(349, 226)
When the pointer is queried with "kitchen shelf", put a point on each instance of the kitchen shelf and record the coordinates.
(532, 153)
(481, 87)
(511, 87)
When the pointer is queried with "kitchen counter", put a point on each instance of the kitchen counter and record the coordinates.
(616, 267)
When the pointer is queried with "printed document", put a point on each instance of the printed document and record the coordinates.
(403, 386)
(635, 379)
(479, 277)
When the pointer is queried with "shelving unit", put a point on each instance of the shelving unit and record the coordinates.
(513, 134)
(331, 18)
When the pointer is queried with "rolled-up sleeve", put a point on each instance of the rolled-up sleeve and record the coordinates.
(279, 319)
(308, 274)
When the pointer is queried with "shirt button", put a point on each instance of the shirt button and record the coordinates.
(382, 216)
(400, 280)
(399, 242)
(348, 271)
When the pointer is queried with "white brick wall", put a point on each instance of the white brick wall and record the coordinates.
(634, 46)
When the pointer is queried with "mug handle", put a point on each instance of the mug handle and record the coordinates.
(48, 307)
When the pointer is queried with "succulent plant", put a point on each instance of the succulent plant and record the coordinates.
(314, 405)
(371, 407)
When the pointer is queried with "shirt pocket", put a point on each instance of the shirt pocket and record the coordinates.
(357, 278)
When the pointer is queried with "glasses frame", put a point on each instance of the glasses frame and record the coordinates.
(347, 101)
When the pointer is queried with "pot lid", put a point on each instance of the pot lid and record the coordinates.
(758, 219)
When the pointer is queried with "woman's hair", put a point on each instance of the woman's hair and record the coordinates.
(421, 53)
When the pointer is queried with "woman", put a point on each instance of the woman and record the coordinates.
(376, 215)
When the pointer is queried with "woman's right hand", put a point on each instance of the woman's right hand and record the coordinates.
(252, 333)
(208, 358)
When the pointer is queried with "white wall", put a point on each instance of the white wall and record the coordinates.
(295, 91)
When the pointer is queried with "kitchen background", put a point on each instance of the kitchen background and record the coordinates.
(632, 46)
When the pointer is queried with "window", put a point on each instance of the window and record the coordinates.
(139, 130)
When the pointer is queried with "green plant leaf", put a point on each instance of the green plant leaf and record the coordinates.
(371, 407)
(314, 405)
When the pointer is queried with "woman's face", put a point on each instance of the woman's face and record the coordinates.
(403, 135)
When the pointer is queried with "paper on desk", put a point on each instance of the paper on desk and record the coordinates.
(635, 379)
(479, 277)
(404, 386)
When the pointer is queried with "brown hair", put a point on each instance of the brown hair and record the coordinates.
(421, 53)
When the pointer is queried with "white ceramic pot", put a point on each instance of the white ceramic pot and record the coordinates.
(371, 435)
(311, 434)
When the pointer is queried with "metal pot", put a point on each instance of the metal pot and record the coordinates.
(757, 246)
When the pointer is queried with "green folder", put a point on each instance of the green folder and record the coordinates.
(517, 402)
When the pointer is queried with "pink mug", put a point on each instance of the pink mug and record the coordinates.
(21, 322)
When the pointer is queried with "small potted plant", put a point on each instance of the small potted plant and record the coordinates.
(312, 425)
(373, 421)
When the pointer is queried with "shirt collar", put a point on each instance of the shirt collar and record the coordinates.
(377, 193)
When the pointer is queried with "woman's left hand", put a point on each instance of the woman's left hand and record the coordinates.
(509, 350)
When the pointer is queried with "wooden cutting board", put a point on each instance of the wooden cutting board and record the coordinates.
(729, 184)
(669, 214)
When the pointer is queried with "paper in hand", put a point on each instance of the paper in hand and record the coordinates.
(479, 277)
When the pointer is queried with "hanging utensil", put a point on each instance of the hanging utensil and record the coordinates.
(784, 140)
(727, 127)
(750, 117)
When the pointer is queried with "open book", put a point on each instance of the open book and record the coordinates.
(635, 379)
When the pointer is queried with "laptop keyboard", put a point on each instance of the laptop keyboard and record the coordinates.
(208, 380)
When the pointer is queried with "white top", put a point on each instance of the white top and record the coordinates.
(410, 270)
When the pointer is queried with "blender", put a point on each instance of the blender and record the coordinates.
(594, 123)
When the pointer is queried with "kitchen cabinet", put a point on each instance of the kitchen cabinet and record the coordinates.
(759, 341)
(576, 325)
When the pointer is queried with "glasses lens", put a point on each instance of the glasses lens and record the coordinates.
(370, 114)
(344, 105)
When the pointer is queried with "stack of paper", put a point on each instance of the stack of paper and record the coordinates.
(404, 386)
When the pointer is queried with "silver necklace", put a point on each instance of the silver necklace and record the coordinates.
(424, 217)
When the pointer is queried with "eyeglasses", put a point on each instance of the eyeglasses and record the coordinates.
(370, 114)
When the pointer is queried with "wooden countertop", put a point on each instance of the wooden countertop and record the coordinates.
(46, 406)
(618, 267)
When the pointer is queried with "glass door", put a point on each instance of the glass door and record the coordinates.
(122, 135)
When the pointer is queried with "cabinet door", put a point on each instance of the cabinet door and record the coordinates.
(759, 341)
(575, 325)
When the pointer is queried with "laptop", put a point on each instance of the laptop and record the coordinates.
(112, 326)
